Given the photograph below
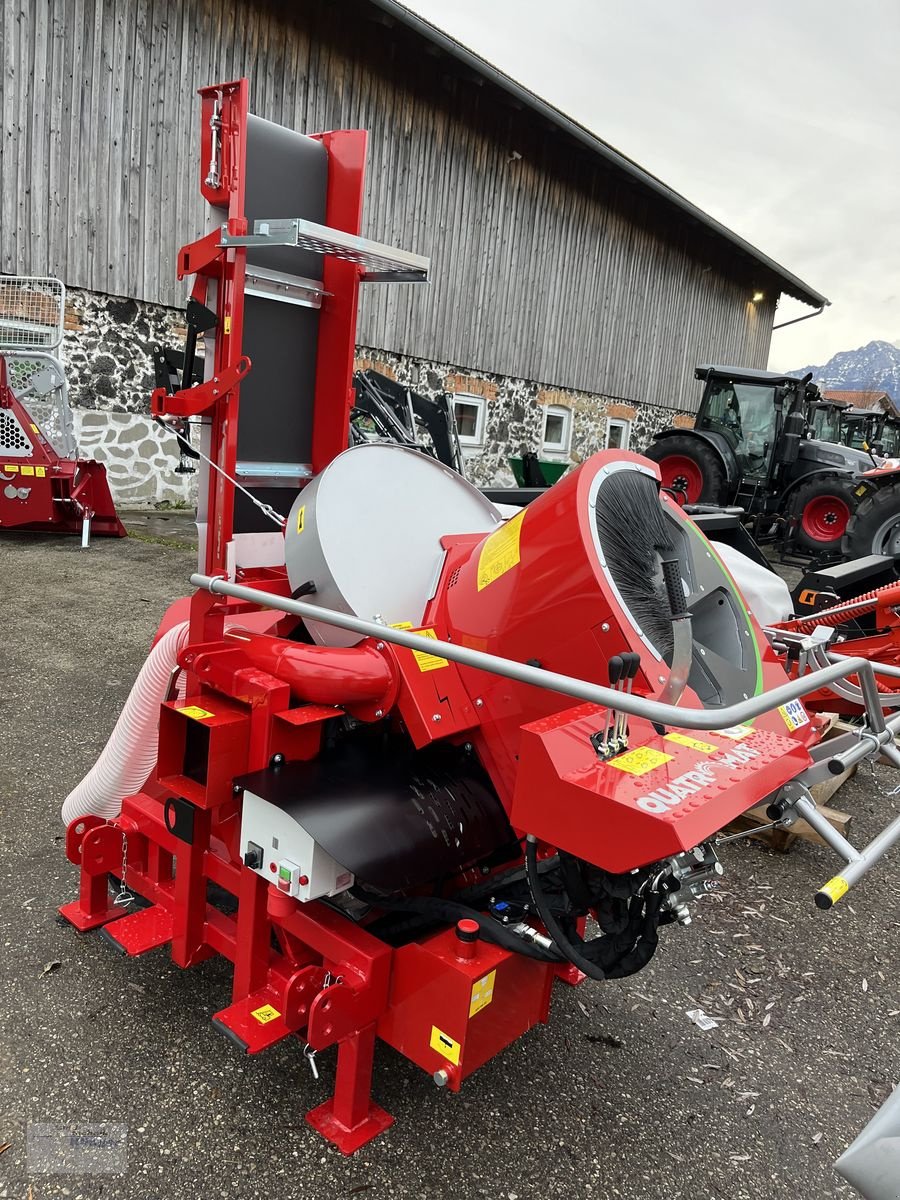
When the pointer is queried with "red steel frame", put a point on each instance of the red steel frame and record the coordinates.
(329, 981)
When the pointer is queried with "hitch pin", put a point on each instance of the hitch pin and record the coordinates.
(311, 1059)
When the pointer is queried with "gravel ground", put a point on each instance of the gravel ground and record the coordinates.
(619, 1096)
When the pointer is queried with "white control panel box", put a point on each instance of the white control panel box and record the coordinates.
(283, 853)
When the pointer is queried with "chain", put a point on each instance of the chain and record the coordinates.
(124, 897)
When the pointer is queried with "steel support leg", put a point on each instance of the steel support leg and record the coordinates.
(350, 1118)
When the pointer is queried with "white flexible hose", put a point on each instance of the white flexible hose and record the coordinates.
(130, 754)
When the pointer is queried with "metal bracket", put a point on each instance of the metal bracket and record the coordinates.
(179, 816)
(288, 289)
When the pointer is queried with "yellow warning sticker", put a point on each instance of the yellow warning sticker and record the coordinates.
(23, 470)
(500, 553)
(793, 714)
(265, 1014)
(301, 514)
(445, 1045)
(40, 472)
(482, 993)
(227, 324)
(692, 744)
(35, 428)
(735, 732)
(428, 662)
(195, 713)
(639, 761)
(425, 661)
(11, 468)
(861, 490)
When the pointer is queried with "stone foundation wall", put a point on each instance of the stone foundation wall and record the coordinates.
(107, 355)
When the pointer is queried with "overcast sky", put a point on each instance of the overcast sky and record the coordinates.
(780, 118)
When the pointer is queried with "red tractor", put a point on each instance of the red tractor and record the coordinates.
(751, 446)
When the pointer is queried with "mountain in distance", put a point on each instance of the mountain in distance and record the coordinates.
(875, 367)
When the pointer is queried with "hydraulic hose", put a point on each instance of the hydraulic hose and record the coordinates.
(572, 953)
(130, 754)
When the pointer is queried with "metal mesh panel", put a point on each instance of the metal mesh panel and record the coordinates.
(39, 383)
(14, 442)
(32, 310)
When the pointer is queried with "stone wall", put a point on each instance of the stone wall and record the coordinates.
(107, 355)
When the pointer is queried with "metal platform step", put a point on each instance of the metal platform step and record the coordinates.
(380, 263)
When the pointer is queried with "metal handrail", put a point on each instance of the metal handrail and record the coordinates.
(580, 689)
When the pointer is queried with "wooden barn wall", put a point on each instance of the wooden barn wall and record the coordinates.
(546, 264)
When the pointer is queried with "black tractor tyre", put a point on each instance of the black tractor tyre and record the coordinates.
(875, 526)
(690, 468)
(824, 508)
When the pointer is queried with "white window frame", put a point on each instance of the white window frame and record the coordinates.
(625, 425)
(480, 405)
(563, 446)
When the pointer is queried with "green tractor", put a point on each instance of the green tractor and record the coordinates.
(753, 445)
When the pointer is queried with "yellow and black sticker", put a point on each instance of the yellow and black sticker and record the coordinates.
(445, 1045)
(500, 553)
(424, 660)
(482, 993)
(735, 732)
(265, 1014)
(227, 324)
(301, 516)
(26, 470)
(40, 472)
(195, 713)
(10, 468)
(861, 490)
(692, 744)
(640, 761)
(35, 428)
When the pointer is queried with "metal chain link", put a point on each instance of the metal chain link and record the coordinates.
(124, 897)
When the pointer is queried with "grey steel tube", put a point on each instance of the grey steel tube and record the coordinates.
(826, 831)
(831, 892)
(580, 689)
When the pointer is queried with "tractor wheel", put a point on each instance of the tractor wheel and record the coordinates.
(875, 526)
(689, 468)
(824, 507)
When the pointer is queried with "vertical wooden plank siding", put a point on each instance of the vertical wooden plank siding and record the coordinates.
(548, 264)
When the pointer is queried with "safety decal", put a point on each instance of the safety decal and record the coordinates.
(195, 713)
(835, 888)
(807, 596)
(445, 1045)
(639, 761)
(227, 325)
(40, 472)
(482, 993)
(794, 714)
(500, 553)
(692, 744)
(23, 470)
(11, 468)
(301, 513)
(735, 732)
(424, 660)
(861, 490)
(265, 1014)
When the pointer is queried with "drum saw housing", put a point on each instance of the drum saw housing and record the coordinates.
(396, 750)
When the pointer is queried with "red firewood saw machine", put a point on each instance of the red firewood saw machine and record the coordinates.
(395, 751)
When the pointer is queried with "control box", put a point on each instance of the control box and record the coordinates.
(282, 852)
